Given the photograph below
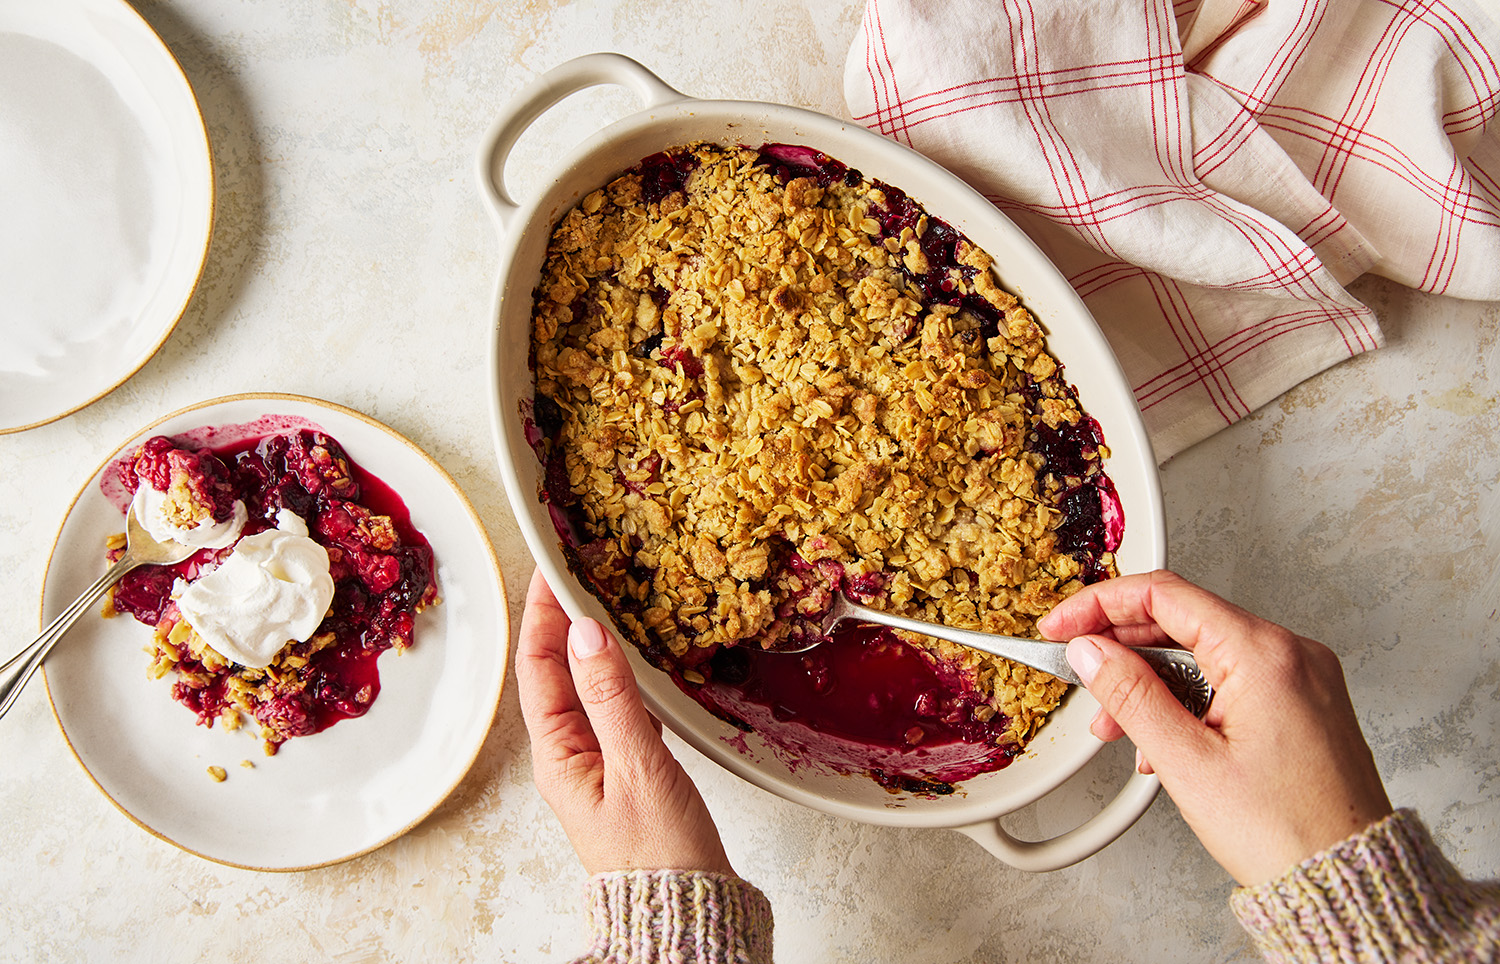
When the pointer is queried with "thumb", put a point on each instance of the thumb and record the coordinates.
(1136, 698)
(607, 688)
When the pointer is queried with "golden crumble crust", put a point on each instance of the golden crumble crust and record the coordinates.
(741, 372)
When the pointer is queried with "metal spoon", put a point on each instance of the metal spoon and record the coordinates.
(1177, 667)
(140, 550)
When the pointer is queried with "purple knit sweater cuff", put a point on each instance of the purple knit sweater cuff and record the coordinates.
(677, 917)
(1384, 894)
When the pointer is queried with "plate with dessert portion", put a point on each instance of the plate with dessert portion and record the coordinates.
(108, 203)
(319, 674)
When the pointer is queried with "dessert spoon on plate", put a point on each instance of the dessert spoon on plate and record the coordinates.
(140, 550)
(1177, 667)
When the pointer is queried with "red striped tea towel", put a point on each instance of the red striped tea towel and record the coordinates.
(1209, 174)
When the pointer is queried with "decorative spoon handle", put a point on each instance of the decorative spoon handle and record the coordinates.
(20, 667)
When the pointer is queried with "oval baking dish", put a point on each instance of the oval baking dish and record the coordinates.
(669, 119)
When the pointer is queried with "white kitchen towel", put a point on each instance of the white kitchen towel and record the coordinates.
(1209, 174)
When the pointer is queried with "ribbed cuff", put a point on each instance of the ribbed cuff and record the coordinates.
(677, 916)
(1384, 894)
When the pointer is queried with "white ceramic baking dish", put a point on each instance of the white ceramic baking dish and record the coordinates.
(669, 118)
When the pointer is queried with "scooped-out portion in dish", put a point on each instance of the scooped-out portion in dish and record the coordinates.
(762, 379)
(307, 568)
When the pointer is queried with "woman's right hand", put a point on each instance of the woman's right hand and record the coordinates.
(1278, 770)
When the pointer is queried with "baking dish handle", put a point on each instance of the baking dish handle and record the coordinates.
(537, 97)
(1077, 844)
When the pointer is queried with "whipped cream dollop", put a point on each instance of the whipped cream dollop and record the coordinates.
(274, 588)
(149, 508)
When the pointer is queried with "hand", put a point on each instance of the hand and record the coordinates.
(1278, 770)
(597, 755)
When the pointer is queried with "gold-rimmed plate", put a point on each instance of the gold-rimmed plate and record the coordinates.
(107, 206)
(326, 797)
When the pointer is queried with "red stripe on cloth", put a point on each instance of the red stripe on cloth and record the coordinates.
(878, 86)
(897, 104)
(1242, 342)
(1294, 269)
(1170, 133)
(1100, 277)
(1381, 153)
(1473, 58)
(1367, 96)
(878, 64)
(1183, 10)
(1279, 66)
(1249, 9)
(1189, 336)
(1288, 267)
(1066, 174)
(1323, 227)
(995, 91)
(958, 98)
(1480, 70)
(1284, 325)
(1213, 155)
(1444, 258)
(1484, 180)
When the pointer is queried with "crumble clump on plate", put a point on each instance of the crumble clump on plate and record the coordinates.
(762, 378)
(381, 573)
(195, 487)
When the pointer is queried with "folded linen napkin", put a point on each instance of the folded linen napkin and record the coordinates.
(1208, 174)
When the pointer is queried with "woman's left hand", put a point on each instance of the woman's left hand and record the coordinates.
(597, 755)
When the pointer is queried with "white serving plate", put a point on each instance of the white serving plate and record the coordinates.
(107, 207)
(325, 797)
(670, 118)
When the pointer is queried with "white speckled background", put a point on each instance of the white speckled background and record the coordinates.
(351, 261)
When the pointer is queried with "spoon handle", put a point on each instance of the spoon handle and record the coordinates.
(1177, 667)
(20, 667)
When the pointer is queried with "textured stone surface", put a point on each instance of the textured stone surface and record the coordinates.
(1361, 508)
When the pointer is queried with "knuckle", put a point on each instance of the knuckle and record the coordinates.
(1284, 655)
(604, 689)
(1167, 578)
(576, 768)
(1126, 695)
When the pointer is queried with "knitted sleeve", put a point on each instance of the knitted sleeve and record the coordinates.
(1384, 894)
(683, 917)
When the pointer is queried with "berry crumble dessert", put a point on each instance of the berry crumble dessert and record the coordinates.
(307, 568)
(762, 379)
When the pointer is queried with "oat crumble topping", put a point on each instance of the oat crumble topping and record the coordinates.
(761, 377)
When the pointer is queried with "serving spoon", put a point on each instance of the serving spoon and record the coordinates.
(1176, 667)
(140, 550)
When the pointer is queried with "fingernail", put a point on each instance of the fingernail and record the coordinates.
(1085, 658)
(586, 638)
(1142, 765)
